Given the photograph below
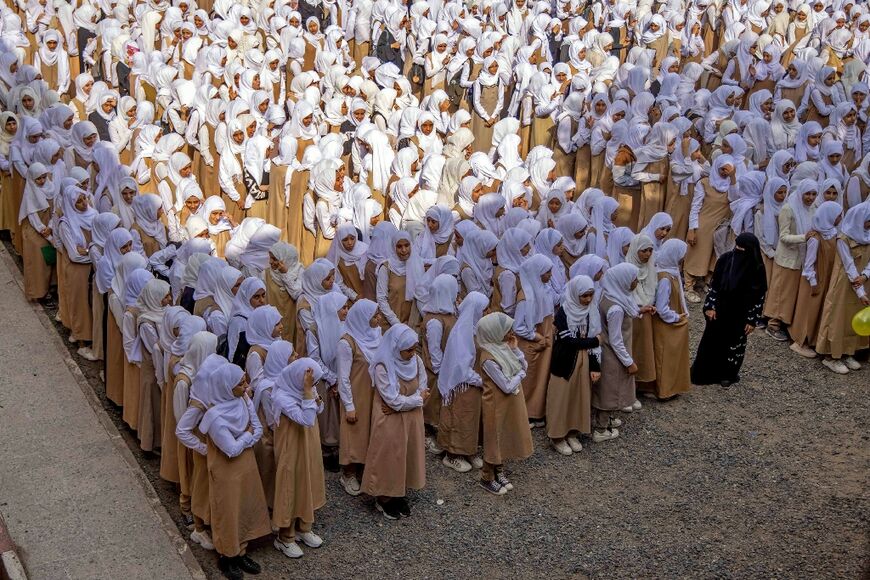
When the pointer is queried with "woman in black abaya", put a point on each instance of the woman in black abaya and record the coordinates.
(732, 309)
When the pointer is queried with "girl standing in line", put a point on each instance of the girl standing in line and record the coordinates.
(300, 488)
(616, 388)
(574, 366)
(356, 350)
(395, 461)
(284, 284)
(502, 367)
(238, 504)
(671, 323)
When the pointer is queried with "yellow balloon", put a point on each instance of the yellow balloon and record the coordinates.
(861, 322)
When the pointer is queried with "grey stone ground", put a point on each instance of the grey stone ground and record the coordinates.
(73, 496)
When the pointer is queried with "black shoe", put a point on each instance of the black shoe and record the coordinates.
(248, 565)
(230, 568)
(330, 463)
(401, 505)
(388, 509)
(725, 384)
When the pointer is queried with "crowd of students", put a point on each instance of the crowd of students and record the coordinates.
(343, 232)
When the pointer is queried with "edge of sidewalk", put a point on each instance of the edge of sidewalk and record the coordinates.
(115, 436)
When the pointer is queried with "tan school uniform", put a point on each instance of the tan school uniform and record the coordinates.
(150, 430)
(168, 440)
(432, 406)
(652, 195)
(615, 389)
(354, 438)
(808, 310)
(671, 346)
(569, 402)
(76, 286)
(538, 373)
(114, 360)
(506, 431)
(482, 134)
(132, 371)
(37, 274)
(395, 461)
(299, 484)
(280, 299)
(642, 349)
(836, 335)
(716, 209)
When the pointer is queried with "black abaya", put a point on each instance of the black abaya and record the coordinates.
(737, 297)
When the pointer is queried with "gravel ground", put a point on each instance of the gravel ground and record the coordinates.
(765, 479)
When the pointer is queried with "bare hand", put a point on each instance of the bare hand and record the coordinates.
(815, 290)
(594, 376)
(386, 410)
(241, 202)
(308, 379)
(748, 329)
(691, 237)
(350, 417)
(425, 394)
(632, 370)
(250, 429)
(81, 251)
(859, 281)
(711, 314)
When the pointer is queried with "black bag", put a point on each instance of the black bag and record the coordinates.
(240, 357)
(455, 91)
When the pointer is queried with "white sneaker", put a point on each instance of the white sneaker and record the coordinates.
(102, 376)
(692, 297)
(476, 462)
(350, 485)
(432, 446)
(57, 317)
(537, 423)
(836, 366)
(291, 550)
(852, 364)
(616, 422)
(803, 350)
(202, 539)
(71, 339)
(86, 353)
(601, 436)
(637, 406)
(629, 409)
(310, 539)
(574, 444)
(562, 448)
(456, 463)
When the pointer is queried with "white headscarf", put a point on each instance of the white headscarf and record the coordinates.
(329, 327)
(358, 326)
(460, 351)
(583, 321)
(490, 335)
(398, 338)
(538, 297)
(645, 291)
(616, 287)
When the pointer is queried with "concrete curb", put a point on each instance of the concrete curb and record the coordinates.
(115, 436)
(11, 567)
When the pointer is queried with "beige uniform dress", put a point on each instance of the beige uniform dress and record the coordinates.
(808, 310)
(615, 389)
(354, 438)
(506, 432)
(700, 258)
(299, 484)
(836, 335)
(671, 346)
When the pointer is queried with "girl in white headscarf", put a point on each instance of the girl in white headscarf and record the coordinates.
(250, 296)
(214, 293)
(575, 365)
(220, 226)
(831, 162)
(395, 461)
(152, 301)
(816, 273)
(476, 261)
(502, 368)
(284, 284)
(459, 388)
(710, 206)
(847, 294)
(75, 230)
(618, 307)
(640, 254)
(514, 247)
(858, 186)
(670, 323)
(393, 295)
(147, 211)
(795, 228)
(533, 326)
(34, 217)
(348, 254)
(262, 329)
(355, 351)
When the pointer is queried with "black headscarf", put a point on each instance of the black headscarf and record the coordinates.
(744, 269)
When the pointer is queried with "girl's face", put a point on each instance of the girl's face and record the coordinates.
(348, 242)
(730, 100)
(403, 249)
(306, 121)
(375, 219)
(579, 234)
(108, 105)
(662, 233)
(34, 139)
(644, 255)
(674, 68)
(125, 249)
(493, 68)
(444, 106)
(167, 300)
(477, 192)
(81, 203)
(239, 390)
(858, 98)
(329, 281)
(554, 205)
(375, 320)
(427, 127)
(780, 194)
(312, 27)
(600, 108)
(187, 170)
(834, 159)
(432, 224)
(618, 116)
(278, 330)
(251, 129)
(831, 194)
(51, 45)
(237, 285)
(558, 248)
(27, 101)
(809, 197)
(408, 353)
(672, 145)
(586, 299)
(86, 88)
(11, 126)
(274, 263)
(258, 299)
(263, 106)
(441, 48)
(238, 137)
(526, 249)
(358, 114)
(726, 148)
(294, 22)
(655, 113)
(831, 79)
(598, 276)
(767, 57)
(725, 171)
(851, 118)
(192, 204)
(792, 71)
(255, 82)
(633, 284)
(40, 181)
(545, 277)
(215, 216)
(342, 313)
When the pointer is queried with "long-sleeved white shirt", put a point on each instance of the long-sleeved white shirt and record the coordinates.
(184, 430)
(507, 283)
(383, 295)
(234, 446)
(312, 345)
(70, 245)
(663, 302)
(614, 319)
(508, 386)
(434, 334)
(850, 268)
(151, 342)
(390, 393)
